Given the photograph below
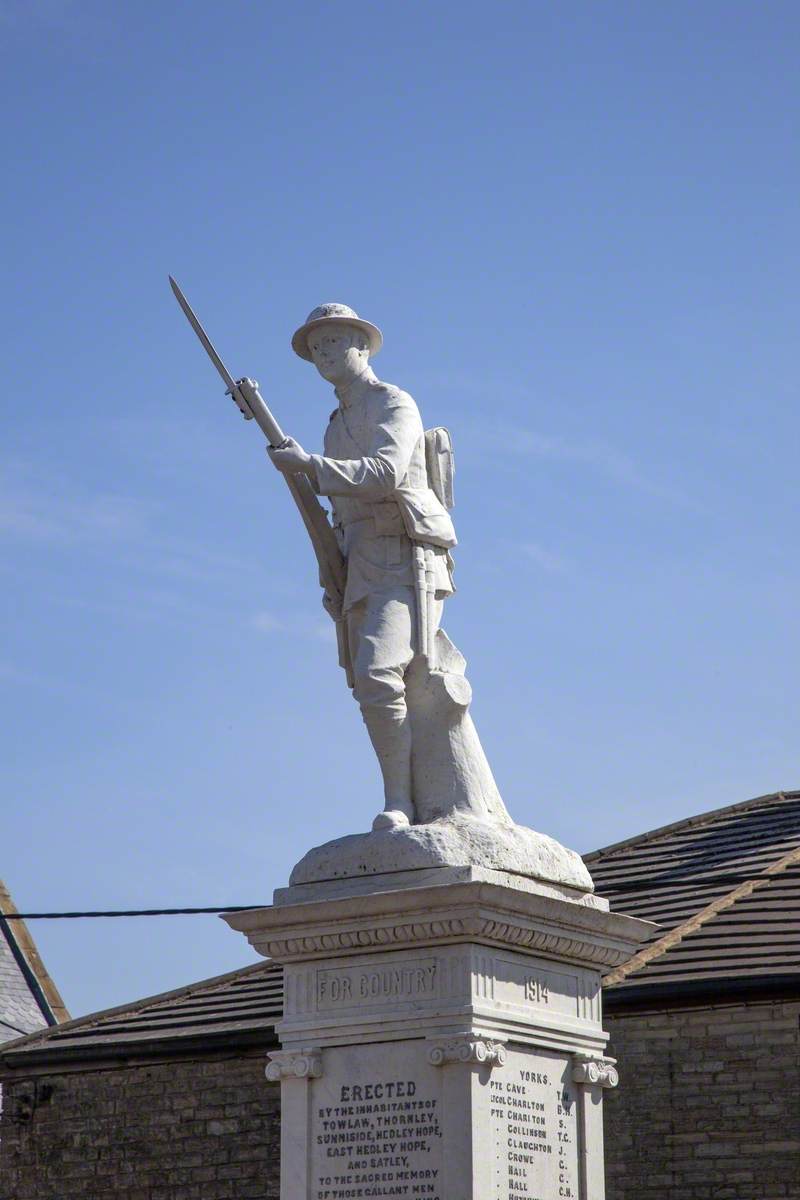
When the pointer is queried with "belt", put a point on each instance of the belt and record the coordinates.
(387, 520)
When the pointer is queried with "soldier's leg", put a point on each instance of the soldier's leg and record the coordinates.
(380, 629)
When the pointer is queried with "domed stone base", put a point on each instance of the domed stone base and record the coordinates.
(455, 841)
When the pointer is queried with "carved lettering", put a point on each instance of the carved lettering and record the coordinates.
(378, 1138)
(532, 1114)
(376, 1091)
(355, 985)
(537, 990)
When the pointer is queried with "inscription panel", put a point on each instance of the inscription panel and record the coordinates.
(532, 1116)
(377, 1124)
(536, 984)
(378, 984)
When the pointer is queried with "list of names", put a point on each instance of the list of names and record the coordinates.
(532, 1112)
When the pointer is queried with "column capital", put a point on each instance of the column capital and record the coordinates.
(291, 1064)
(467, 1050)
(595, 1070)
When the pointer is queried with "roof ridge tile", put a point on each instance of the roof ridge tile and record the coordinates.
(692, 823)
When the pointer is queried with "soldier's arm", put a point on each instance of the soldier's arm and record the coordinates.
(397, 430)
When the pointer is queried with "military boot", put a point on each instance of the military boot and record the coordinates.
(390, 735)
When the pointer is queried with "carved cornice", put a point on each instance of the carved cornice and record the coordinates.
(598, 1071)
(467, 1050)
(560, 944)
(288, 1064)
(410, 917)
(508, 932)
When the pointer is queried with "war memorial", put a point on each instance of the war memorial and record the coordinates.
(429, 1012)
(442, 1030)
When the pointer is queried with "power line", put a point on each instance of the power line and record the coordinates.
(616, 888)
(128, 912)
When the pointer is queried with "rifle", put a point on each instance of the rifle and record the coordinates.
(251, 404)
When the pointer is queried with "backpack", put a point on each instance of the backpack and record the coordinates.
(440, 464)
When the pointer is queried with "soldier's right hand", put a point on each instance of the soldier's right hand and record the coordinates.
(332, 606)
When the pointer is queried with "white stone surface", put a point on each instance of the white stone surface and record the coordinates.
(528, 1123)
(462, 1116)
(361, 885)
(460, 840)
(390, 488)
(477, 912)
(442, 1041)
(442, 1030)
(377, 1123)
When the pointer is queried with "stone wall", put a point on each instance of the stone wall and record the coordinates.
(180, 1130)
(708, 1106)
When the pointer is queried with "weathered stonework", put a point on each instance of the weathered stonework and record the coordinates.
(283, 1065)
(192, 1129)
(444, 1041)
(595, 1070)
(467, 1049)
(710, 1107)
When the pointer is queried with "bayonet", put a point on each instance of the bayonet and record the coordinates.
(230, 382)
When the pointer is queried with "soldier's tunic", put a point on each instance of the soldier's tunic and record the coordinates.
(374, 449)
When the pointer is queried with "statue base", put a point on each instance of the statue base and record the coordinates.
(457, 840)
(444, 1040)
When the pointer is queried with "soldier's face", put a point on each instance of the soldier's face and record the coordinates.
(336, 351)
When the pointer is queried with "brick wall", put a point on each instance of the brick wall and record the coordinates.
(183, 1130)
(708, 1106)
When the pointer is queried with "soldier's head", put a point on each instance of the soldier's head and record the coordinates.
(337, 341)
(338, 351)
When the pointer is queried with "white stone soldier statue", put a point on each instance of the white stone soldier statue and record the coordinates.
(387, 570)
(395, 534)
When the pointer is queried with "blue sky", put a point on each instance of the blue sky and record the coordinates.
(577, 226)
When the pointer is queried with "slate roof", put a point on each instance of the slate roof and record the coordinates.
(28, 997)
(724, 887)
(234, 1010)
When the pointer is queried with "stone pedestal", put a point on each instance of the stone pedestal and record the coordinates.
(443, 1040)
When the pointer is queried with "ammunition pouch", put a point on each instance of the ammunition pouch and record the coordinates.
(424, 516)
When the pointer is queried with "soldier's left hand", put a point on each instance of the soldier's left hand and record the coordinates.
(290, 458)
